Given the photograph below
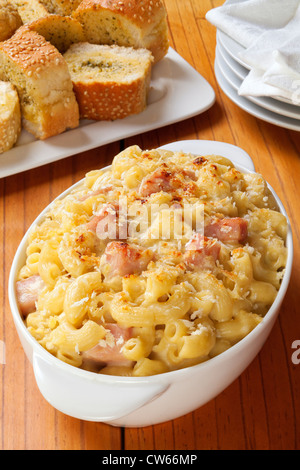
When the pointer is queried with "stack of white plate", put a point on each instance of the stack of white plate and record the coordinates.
(230, 71)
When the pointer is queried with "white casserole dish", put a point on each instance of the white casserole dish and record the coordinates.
(143, 401)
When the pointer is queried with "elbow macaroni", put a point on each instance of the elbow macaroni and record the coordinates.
(177, 316)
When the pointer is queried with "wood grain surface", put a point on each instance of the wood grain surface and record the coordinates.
(261, 409)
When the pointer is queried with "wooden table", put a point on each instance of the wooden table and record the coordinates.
(261, 409)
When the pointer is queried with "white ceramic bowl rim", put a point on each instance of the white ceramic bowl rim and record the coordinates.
(37, 348)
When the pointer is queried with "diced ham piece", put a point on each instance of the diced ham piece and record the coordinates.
(201, 252)
(191, 174)
(92, 224)
(28, 291)
(159, 180)
(165, 179)
(125, 259)
(108, 223)
(109, 351)
(104, 190)
(108, 211)
(232, 229)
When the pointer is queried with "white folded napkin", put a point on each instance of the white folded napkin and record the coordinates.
(269, 31)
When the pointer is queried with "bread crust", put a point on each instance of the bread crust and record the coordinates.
(41, 77)
(144, 13)
(141, 24)
(105, 95)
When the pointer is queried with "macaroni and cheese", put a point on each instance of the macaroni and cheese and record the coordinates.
(162, 261)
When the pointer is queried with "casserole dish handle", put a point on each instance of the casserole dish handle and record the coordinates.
(92, 397)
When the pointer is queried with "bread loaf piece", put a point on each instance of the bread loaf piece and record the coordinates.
(110, 82)
(61, 31)
(10, 116)
(10, 20)
(41, 77)
(135, 23)
(30, 10)
(61, 7)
